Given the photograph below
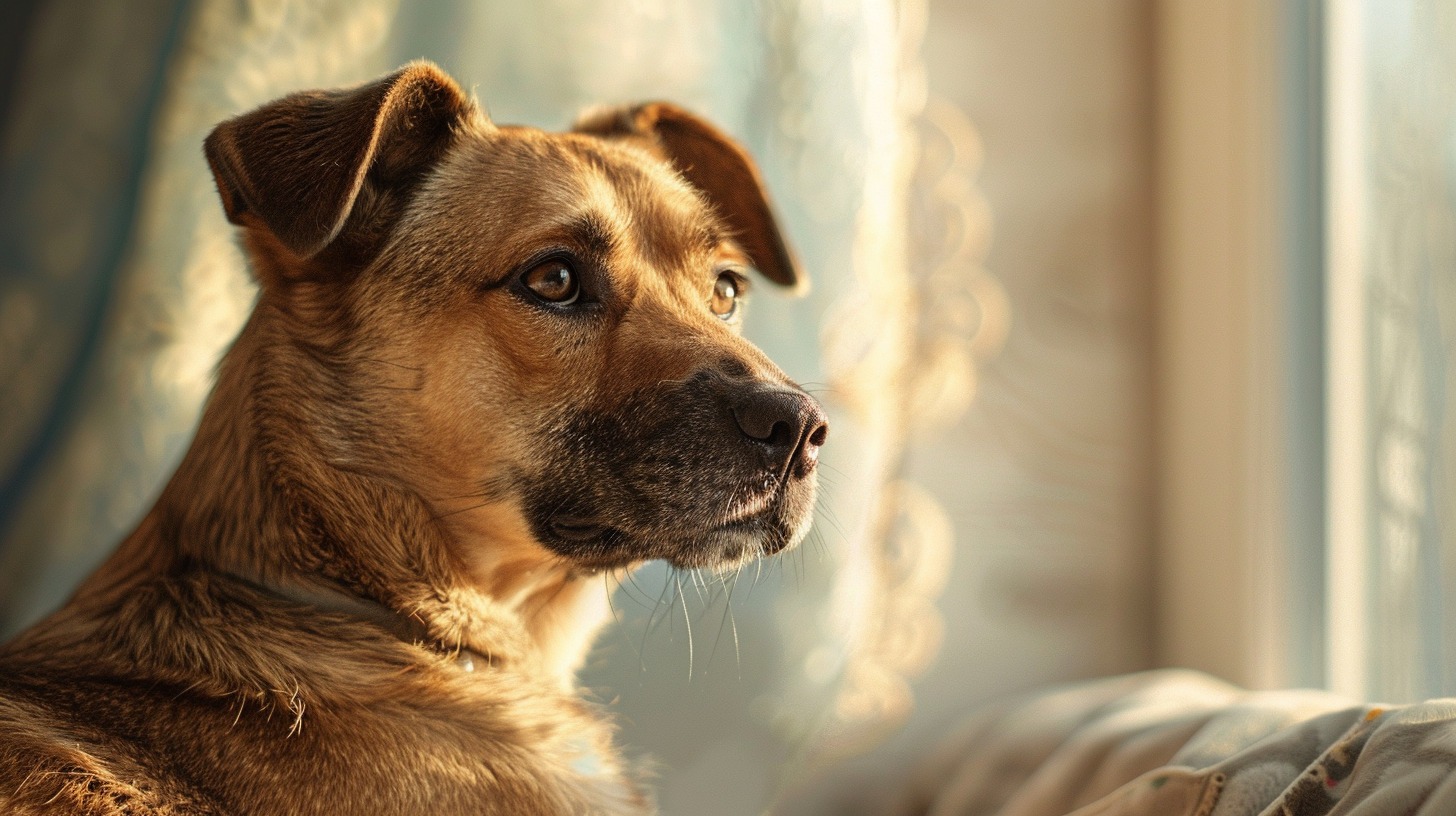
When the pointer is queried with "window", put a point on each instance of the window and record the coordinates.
(1307, 343)
(1391, 75)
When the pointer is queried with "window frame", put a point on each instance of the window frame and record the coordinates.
(1240, 331)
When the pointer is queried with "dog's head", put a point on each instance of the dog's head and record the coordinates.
(537, 334)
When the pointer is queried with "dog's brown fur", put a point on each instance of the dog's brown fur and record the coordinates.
(410, 465)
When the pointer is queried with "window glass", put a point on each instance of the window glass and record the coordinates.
(1398, 58)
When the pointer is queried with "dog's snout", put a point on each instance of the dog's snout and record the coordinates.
(786, 423)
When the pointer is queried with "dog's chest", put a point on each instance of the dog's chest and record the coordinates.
(487, 743)
(472, 753)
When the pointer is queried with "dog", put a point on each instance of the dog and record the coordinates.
(490, 369)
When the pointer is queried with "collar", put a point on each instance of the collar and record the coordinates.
(406, 628)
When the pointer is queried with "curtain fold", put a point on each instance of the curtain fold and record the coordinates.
(91, 80)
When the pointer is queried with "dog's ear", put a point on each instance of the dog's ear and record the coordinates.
(718, 166)
(312, 166)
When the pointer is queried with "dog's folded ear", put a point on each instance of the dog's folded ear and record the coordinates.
(718, 166)
(312, 166)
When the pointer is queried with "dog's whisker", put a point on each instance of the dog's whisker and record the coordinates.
(635, 591)
(556, 593)
(815, 539)
(489, 492)
(681, 381)
(696, 576)
(726, 595)
(825, 511)
(641, 658)
(733, 624)
(607, 588)
(658, 605)
(688, 624)
(448, 514)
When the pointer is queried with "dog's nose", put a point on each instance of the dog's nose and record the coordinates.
(787, 424)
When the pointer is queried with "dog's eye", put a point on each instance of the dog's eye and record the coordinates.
(553, 281)
(725, 296)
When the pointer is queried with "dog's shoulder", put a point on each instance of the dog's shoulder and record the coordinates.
(156, 709)
(52, 762)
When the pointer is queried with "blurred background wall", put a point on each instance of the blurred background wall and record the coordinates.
(1048, 477)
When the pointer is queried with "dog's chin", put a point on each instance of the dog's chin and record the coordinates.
(595, 546)
(735, 544)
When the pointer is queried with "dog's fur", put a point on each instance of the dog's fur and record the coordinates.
(371, 580)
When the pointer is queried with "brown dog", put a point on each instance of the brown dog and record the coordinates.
(487, 365)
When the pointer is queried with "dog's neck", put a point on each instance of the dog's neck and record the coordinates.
(255, 497)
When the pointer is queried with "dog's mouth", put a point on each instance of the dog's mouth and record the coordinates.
(580, 531)
(757, 525)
